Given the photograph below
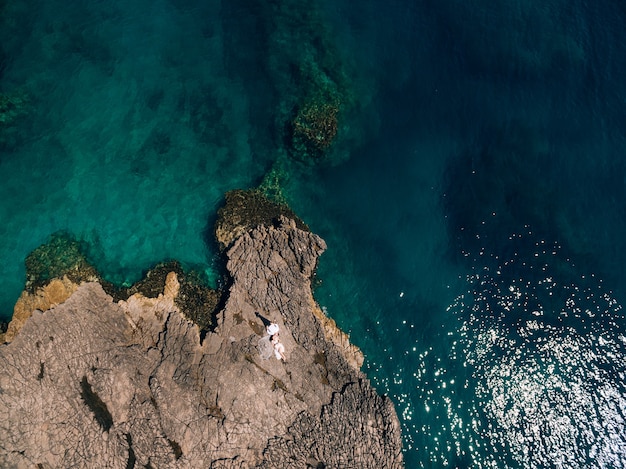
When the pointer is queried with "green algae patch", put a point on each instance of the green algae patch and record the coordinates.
(62, 255)
(273, 182)
(244, 210)
(314, 128)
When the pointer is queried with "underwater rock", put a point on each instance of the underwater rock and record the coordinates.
(129, 383)
(61, 256)
(311, 80)
(314, 128)
(314, 123)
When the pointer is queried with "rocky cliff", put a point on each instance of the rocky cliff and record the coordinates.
(133, 383)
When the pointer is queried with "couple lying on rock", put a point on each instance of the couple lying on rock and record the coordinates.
(270, 344)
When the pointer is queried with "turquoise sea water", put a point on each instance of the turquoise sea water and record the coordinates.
(473, 202)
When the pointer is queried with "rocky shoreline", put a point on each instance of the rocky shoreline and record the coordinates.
(93, 379)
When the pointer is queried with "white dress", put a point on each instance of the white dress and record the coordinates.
(279, 349)
(266, 349)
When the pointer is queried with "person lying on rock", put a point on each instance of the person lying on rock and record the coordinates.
(279, 349)
(272, 329)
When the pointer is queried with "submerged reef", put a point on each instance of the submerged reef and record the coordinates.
(314, 128)
(310, 79)
(93, 380)
(320, 97)
(62, 255)
(273, 182)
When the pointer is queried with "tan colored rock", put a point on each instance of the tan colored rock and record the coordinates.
(43, 299)
(353, 354)
(172, 286)
(146, 315)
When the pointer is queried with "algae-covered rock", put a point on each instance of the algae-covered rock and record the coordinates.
(62, 255)
(63, 260)
(190, 292)
(246, 209)
(320, 102)
(315, 127)
(312, 82)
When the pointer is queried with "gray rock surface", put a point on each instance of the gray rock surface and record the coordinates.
(130, 384)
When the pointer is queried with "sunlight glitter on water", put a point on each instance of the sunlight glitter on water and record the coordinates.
(531, 374)
(547, 355)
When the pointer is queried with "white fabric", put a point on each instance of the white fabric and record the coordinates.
(266, 348)
(272, 329)
(278, 350)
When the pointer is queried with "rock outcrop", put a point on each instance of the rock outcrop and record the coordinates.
(245, 209)
(94, 382)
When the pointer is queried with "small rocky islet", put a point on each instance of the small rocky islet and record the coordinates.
(167, 373)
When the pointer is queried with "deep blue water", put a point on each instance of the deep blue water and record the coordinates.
(473, 201)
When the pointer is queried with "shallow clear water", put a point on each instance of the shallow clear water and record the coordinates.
(473, 204)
